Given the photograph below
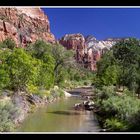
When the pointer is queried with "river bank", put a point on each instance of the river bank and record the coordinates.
(60, 116)
(18, 105)
(117, 111)
(55, 109)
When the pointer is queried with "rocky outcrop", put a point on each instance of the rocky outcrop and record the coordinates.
(66, 94)
(23, 108)
(85, 105)
(88, 50)
(24, 25)
(75, 42)
(96, 48)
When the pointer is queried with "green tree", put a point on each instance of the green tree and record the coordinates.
(111, 75)
(127, 52)
(108, 70)
(120, 65)
(22, 69)
(43, 52)
(4, 73)
(63, 58)
(45, 78)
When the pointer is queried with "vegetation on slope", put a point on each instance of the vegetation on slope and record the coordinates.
(36, 70)
(118, 84)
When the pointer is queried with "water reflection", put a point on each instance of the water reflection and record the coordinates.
(60, 117)
(65, 112)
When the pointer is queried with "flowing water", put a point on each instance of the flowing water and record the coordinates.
(60, 117)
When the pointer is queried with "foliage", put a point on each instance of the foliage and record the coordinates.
(60, 93)
(59, 65)
(52, 70)
(108, 70)
(32, 88)
(63, 61)
(8, 43)
(105, 92)
(120, 65)
(35, 70)
(39, 49)
(7, 110)
(42, 93)
(45, 78)
(114, 124)
(118, 112)
(21, 68)
(4, 77)
(57, 93)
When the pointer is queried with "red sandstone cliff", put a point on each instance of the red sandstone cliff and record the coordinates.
(24, 25)
(82, 54)
(88, 50)
(75, 42)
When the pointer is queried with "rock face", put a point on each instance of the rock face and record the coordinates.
(24, 25)
(75, 42)
(88, 50)
(96, 48)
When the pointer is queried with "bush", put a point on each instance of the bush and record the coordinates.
(57, 92)
(7, 111)
(32, 88)
(117, 111)
(8, 43)
(114, 124)
(60, 93)
(105, 92)
(121, 107)
(85, 83)
(128, 92)
(42, 93)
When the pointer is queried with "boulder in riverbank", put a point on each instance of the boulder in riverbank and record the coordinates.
(67, 94)
(85, 105)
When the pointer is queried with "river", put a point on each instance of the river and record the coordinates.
(60, 116)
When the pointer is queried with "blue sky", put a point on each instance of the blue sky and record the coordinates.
(102, 23)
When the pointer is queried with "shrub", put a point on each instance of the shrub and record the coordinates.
(114, 124)
(128, 92)
(8, 43)
(123, 107)
(85, 83)
(43, 93)
(54, 93)
(60, 93)
(7, 111)
(105, 92)
(118, 113)
(32, 88)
